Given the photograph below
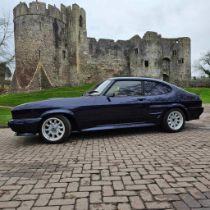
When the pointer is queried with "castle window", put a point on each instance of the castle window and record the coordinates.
(91, 48)
(39, 54)
(181, 60)
(64, 54)
(136, 50)
(146, 63)
(40, 26)
(174, 52)
(80, 21)
(79, 37)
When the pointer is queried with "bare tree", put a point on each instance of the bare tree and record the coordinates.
(204, 64)
(6, 34)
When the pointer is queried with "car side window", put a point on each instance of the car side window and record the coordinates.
(152, 88)
(126, 88)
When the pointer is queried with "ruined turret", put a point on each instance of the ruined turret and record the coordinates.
(52, 49)
(47, 36)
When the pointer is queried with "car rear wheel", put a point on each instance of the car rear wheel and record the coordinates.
(174, 120)
(55, 129)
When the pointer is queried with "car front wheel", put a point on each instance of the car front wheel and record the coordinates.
(174, 120)
(55, 129)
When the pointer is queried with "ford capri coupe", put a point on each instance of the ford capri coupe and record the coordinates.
(115, 103)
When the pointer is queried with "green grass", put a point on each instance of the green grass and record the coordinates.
(204, 93)
(20, 98)
(5, 116)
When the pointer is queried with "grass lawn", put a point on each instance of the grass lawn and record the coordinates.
(5, 116)
(204, 93)
(20, 98)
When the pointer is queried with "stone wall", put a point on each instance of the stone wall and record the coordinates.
(150, 56)
(106, 59)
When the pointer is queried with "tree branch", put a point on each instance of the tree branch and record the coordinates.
(5, 35)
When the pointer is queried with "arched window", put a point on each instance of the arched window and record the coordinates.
(136, 50)
(80, 21)
(166, 64)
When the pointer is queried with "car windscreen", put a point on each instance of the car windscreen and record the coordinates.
(98, 89)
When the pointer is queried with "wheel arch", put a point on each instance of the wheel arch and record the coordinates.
(178, 106)
(68, 114)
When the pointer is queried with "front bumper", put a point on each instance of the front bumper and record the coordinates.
(22, 126)
(195, 112)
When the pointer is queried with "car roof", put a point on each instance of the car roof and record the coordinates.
(136, 78)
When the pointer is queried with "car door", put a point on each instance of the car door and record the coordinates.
(122, 103)
(157, 97)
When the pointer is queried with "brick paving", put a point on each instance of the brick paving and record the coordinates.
(125, 169)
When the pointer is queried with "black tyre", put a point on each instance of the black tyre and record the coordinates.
(173, 120)
(55, 129)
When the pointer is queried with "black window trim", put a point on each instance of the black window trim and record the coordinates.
(122, 80)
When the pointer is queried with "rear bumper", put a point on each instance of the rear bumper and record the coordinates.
(22, 126)
(195, 112)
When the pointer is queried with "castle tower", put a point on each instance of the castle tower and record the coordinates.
(77, 42)
(50, 37)
(162, 58)
(176, 60)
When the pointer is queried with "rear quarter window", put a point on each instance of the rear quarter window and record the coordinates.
(152, 88)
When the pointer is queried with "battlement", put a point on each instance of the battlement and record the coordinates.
(151, 35)
(178, 41)
(106, 42)
(40, 8)
(135, 39)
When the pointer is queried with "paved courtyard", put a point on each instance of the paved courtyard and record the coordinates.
(126, 169)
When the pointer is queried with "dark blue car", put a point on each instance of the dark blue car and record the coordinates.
(115, 103)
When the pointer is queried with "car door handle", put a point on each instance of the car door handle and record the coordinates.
(141, 99)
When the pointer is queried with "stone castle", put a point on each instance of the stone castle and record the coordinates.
(52, 49)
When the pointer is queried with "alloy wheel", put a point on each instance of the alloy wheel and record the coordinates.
(53, 129)
(175, 120)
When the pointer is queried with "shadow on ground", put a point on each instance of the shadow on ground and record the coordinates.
(93, 135)
(96, 134)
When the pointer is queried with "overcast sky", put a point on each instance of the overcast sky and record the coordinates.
(121, 19)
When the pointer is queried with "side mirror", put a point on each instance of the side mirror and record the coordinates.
(111, 95)
(92, 93)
